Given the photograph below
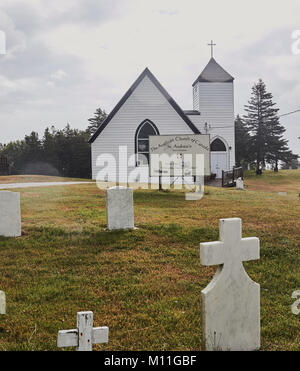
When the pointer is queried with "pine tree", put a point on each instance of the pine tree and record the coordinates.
(278, 149)
(291, 163)
(263, 123)
(266, 143)
(96, 121)
(242, 140)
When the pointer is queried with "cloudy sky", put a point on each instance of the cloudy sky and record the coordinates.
(65, 58)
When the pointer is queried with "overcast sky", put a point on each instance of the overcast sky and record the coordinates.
(65, 58)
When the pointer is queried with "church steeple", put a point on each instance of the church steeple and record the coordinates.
(213, 72)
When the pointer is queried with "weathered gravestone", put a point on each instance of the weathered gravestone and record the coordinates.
(296, 305)
(231, 302)
(10, 214)
(240, 184)
(119, 208)
(84, 336)
(2, 303)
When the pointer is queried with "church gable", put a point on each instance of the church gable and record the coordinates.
(146, 95)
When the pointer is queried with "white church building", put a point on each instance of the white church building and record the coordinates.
(147, 109)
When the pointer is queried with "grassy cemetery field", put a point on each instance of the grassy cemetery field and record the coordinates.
(144, 284)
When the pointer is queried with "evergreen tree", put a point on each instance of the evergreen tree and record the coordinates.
(96, 121)
(278, 149)
(242, 140)
(64, 152)
(291, 163)
(51, 157)
(266, 142)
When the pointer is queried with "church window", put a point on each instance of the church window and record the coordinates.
(218, 146)
(143, 132)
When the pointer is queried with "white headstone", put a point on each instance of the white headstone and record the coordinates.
(282, 193)
(10, 214)
(84, 336)
(231, 302)
(240, 184)
(119, 208)
(296, 305)
(2, 303)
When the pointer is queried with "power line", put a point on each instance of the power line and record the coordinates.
(290, 113)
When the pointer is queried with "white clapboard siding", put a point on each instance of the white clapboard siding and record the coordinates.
(146, 102)
(196, 97)
(215, 101)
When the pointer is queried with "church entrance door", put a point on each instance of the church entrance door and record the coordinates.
(218, 163)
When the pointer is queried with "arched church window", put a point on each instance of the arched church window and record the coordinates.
(217, 146)
(143, 132)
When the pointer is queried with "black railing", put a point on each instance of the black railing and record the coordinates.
(229, 178)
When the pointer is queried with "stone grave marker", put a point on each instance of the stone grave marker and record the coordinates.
(10, 214)
(2, 303)
(296, 304)
(282, 193)
(119, 208)
(84, 336)
(231, 302)
(240, 184)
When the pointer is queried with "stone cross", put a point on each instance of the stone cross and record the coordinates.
(84, 336)
(119, 208)
(231, 302)
(2, 303)
(10, 214)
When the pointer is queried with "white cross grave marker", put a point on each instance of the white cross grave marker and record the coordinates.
(231, 302)
(2, 303)
(84, 336)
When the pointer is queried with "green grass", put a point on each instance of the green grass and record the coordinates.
(144, 284)
(284, 180)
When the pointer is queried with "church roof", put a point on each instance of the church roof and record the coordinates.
(146, 72)
(213, 72)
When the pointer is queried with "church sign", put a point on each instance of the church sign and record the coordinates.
(179, 155)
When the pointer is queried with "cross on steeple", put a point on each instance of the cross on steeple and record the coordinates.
(212, 47)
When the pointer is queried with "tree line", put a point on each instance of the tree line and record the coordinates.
(260, 135)
(66, 152)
